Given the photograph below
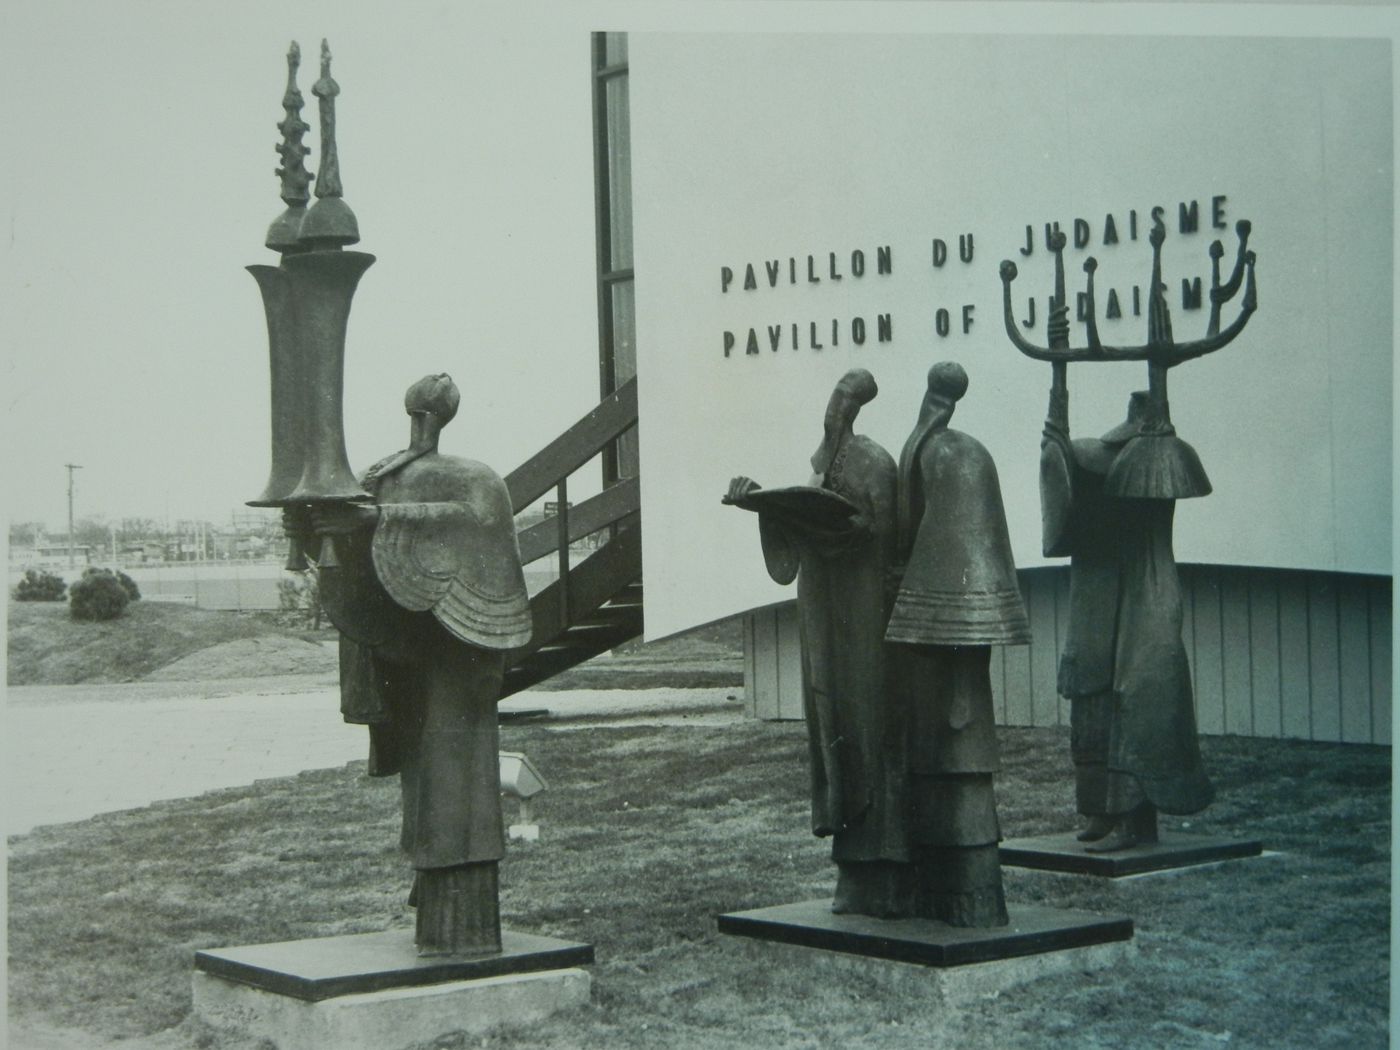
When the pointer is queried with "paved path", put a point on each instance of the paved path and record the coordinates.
(72, 752)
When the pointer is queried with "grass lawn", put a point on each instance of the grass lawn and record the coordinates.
(46, 646)
(648, 833)
(166, 639)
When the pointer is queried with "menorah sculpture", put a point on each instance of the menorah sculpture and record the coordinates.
(307, 302)
(1108, 504)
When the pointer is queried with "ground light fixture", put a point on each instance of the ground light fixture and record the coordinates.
(521, 780)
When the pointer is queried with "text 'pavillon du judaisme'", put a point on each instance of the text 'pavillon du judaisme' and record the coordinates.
(813, 269)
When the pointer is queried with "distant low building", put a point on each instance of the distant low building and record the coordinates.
(51, 555)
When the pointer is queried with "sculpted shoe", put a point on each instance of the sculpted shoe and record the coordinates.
(1135, 828)
(1099, 825)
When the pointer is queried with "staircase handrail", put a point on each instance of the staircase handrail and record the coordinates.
(595, 513)
(614, 415)
(617, 508)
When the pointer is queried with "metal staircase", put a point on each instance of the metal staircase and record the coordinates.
(596, 604)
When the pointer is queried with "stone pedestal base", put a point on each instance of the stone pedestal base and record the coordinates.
(373, 992)
(933, 958)
(1066, 853)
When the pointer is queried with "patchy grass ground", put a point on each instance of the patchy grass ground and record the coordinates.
(48, 647)
(707, 657)
(649, 833)
(166, 641)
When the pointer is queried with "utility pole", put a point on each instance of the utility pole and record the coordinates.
(71, 467)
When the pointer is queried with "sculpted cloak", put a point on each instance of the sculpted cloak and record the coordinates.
(428, 604)
(855, 730)
(1108, 503)
(957, 597)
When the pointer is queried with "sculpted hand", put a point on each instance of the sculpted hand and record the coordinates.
(739, 488)
(339, 519)
(296, 521)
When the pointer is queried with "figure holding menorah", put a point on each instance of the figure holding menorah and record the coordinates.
(1108, 504)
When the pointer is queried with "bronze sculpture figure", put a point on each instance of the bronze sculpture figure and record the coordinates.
(428, 596)
(1108, 504)
(905, 580)
(1123, 669)
(427, 590)
(836, 537)
(957, 597)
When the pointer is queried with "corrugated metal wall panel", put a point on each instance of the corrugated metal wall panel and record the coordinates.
(1265, 692)
(1323, 657)
(1295, 687)
(1381, 668)
(1043, 653)
(1272, 652)
(1204, 647)
(1234, 654)
(1354, 663)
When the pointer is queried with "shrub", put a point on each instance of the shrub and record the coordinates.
(299, 598)
(99, 595)
(40, 585)
(133, 592)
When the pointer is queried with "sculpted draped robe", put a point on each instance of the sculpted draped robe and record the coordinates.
(855, 732)
(1124, 665)
(957, 596)
(427, 606)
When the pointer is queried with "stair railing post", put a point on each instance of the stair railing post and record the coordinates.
(562, 524)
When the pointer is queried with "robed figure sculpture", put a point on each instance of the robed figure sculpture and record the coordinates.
(428, 595)
(836, 536)
(957, 597)
(1108, 504)
(1123, 668)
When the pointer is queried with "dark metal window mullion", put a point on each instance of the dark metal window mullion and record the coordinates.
(603, 239)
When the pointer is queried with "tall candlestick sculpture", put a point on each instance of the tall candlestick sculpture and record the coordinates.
(426, 589)
(307, 302)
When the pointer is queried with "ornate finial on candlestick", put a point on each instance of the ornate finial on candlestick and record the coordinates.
(329, 223)
(1159, 317)
(326, 89)
(282, 234)
(1057, 319)
(1223, 293)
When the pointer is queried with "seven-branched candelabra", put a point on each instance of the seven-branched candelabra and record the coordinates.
(1161, 351)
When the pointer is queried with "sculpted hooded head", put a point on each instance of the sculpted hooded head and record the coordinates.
(436, 394)
(947, 382)
(854, 389)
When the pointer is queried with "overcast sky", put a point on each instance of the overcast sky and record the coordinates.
(139, 169)
(139, 182)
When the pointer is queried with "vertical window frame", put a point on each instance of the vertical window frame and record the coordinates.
(603, 73)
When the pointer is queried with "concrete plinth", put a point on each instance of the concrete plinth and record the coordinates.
(373, 992)
(387, 1020)
(933, 958)
(1066, 853)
